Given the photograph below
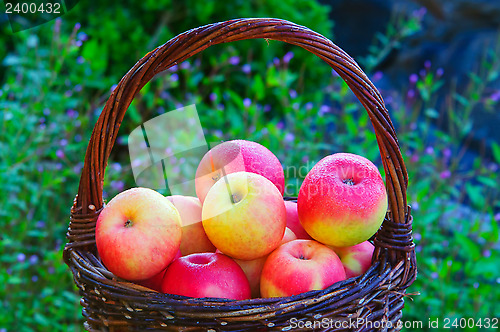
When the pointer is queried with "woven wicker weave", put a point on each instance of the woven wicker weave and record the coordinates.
(116, 305)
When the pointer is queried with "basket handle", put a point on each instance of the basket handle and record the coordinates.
(89, 200)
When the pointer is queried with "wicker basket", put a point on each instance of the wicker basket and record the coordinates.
(375, 298)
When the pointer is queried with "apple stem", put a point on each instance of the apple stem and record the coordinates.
(231, 196)
(128, 223)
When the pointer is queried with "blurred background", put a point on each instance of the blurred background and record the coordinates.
(436, 63)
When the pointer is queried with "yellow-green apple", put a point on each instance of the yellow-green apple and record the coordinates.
(343, 200)
(244, 215)
(206, 275)
(356, 259)
(138, 233)
(194, 239)
(293, 223)
(300, 266)
(253, 268)
(237, 156)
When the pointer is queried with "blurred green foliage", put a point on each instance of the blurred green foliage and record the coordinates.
(58, 76)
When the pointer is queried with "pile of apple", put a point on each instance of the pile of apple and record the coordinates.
(239, 238)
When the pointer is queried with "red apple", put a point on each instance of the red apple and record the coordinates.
(342, 201)
(155, 281)
(244, 215)
(253, 268)
(237, 156)
(292, 221)
(194, 239)
(300, 266)
(206, 275)
(356, 259)
(138, 233)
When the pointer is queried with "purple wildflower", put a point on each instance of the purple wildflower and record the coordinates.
(212, 96)
(447, 153)
(429, 150)
(78, 88)
(58, 166)
(33, 259)
(445, 174)
(34, 278)
(295, 106)
(80, 60)
(276, 61)
(486, 253)
(434, 275)
(439, 72)
(413, 78)
(495, 96)
(51, 270)
(267, 108)
(174, 77)
(185, 65)
(46, 112)
(221, 107)
(309, 106)
(117, 185)
(63, 142)
(57, 25)
(378, 76)
(247, 102)
(417, 236)
(218, 133)
(415, 158)
(78, 138)
(68, 93)
(289, 137)
(497, 217)
(82, 36)
(78, 43)
(324, 109)
(422, 72)
(419, 13)
(280, 125)
(246, 68)
(21, 257)
(293, 94)
(410, 94)
(427, 64)
(77, 26)
(60, 154)
(234, 60)
(288, 56)
(40, 224)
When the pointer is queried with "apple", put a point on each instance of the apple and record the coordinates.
(293, 223)
(356, 259)
(155, 281)
(300, 266)
(343, 200)
(194, 239)
(253, 268)
(288, 236)
(244, 215)
(237, 156)
(206, 275)
(138, 233)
